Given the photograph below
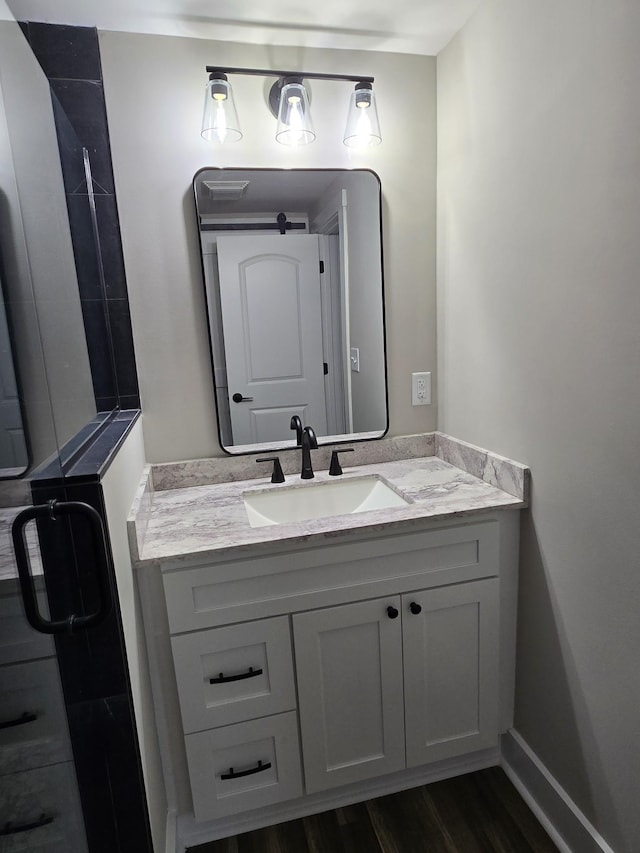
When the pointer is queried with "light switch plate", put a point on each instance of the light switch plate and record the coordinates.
(420, 389)
(355, 359)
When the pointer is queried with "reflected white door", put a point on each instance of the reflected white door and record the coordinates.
(13, 450)
(270, 296)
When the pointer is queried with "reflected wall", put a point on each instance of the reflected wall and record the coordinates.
(38, 269)
(62, 267)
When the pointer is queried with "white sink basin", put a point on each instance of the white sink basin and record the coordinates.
(320, 500)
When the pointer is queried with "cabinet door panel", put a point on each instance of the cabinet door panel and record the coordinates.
(349, 665)
(451, 671)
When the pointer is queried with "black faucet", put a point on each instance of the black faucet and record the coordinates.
(309, 443)
(296, 424)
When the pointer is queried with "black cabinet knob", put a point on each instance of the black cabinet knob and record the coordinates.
(415, 608)
(392, 612)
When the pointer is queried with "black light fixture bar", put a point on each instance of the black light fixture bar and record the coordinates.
(307, 75)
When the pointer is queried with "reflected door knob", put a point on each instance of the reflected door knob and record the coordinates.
(415, 608)
(392, 612)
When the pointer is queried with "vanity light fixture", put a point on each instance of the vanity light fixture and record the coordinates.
(295, 126)
(220, 119)
(363, 127)
(290, 104)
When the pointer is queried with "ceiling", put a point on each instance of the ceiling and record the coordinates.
(295, 191)
(403, 26)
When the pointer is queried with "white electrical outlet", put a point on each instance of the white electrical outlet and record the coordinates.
(420, 389)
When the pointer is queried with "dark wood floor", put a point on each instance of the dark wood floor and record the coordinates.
(477, 813)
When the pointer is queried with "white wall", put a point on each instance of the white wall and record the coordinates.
(365, 312)
(154, 89)
(119, 486)
(539, 356)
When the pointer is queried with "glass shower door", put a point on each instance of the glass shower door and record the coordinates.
(46, 401)
(40, 805)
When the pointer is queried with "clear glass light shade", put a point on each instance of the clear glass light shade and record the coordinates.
(219, 118)
(363, 127)
(294, 116)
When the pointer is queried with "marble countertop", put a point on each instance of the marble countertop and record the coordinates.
(8, 570)
(180, 524)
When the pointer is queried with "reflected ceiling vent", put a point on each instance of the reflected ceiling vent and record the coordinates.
(226, 190)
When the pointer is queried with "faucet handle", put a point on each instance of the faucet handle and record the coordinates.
(277, 476)
(334, 468)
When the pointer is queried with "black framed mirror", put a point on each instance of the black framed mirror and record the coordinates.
(293, 278)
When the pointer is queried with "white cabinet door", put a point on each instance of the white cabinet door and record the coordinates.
(349, 666)
(451, 670)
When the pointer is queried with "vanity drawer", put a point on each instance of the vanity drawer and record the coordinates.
(46, 798)
(242, 753)
(33, 723)
(250, 666)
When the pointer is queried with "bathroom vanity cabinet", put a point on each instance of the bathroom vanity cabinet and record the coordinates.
(307, 665)
(318, 670)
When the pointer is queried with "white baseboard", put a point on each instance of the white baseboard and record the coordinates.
(171, 833)
(191, 833)
(567, 826)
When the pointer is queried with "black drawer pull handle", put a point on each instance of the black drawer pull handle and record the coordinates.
(392, 612)
(238, 775)
(415, 608)
(10, 829)
(224, 679)
(19, 721)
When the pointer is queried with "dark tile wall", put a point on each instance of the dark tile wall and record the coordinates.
(70, 58)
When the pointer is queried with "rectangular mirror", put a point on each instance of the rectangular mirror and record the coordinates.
(292, 266)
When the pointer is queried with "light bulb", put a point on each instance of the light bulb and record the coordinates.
(295, 121)
(363, 127)
(220, 125)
